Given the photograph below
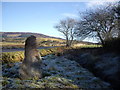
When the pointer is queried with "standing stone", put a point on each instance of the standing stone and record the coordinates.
(31, 65)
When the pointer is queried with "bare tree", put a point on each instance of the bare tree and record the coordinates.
(100, 23)
(117, 14)
(66, 27)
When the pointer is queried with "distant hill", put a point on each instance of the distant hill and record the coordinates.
(24, 34)
(19, 36)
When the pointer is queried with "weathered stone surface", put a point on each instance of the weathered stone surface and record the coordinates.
(31, 65)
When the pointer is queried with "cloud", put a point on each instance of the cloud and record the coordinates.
(70, 15)
(93, 3)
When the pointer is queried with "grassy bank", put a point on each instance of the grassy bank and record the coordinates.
(11, 57)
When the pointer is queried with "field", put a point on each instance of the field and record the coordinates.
(86, 55)
(44, 42)
(12, 43)
(58, 72)
(17, 41)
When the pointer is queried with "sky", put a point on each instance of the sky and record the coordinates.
(41, 17)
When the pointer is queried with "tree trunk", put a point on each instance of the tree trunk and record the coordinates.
(102, 41)
(67, 42)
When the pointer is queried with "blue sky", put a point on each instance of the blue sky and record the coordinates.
(40, 17)
(37, 17)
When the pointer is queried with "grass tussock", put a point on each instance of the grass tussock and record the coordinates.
(11, 57)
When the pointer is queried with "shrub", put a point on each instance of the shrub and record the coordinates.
(113, 44)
